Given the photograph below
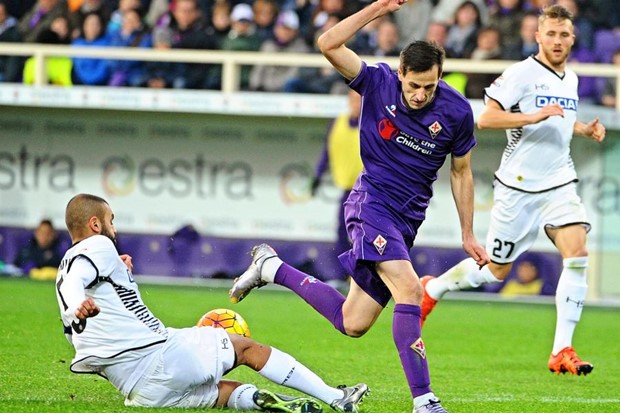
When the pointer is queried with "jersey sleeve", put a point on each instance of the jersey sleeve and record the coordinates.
(465, 139)
(508, 89)
(370, 78)
(72, 290)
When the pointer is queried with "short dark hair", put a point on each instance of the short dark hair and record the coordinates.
(421, 56)
(79, 210)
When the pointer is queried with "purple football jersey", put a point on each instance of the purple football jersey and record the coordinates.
(403, 149)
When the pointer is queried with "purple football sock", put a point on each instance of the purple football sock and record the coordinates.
(323, 298)
(407, 337)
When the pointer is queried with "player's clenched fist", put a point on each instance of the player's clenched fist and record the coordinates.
(88, 308)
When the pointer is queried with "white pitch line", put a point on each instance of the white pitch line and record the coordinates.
(546, 399)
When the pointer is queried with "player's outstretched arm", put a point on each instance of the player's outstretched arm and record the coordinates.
(332, 42)
(493, 116)
(593, 130)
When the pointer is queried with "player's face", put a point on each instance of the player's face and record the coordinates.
(555, 40)
(419, 87)
(107, 226)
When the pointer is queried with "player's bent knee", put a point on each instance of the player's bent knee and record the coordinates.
(355, 330)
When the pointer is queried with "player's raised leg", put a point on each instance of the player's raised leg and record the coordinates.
(359, 310)
(463, 276)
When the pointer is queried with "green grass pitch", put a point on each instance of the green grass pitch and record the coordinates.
(484, 357)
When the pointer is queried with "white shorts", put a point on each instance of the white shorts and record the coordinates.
(517, 217)
(186, 370)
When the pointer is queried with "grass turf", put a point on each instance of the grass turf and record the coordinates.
(484, 357)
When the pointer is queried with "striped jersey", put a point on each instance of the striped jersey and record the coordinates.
(537, 157)
(93, 268)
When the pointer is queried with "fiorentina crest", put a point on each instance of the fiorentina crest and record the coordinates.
(418, 347)
(434, 129)
(380, 244)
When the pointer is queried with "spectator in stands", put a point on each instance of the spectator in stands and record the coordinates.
(445, 10)
(318, 17)
(507, 16)
(463, 33)
(525, 282)
(265, 14)
(133, 33)
(418, 11)
(527, 45)
(42, 250)
(62, 27)
(325, 80)
(220, 24)
(610, 94)
(241, 37)
(58, 68)
(388, 39)
(437, 32)
(187, 30)
(488, 46)
(268, 78)
(39, 18)
(91, 71)
(116, 18)
(584, 30)
(77, 17)
(10, 66)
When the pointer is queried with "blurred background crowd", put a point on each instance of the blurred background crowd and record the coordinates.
(471, 29)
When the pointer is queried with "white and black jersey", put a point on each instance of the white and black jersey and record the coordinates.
(537, 157)
(92, 267)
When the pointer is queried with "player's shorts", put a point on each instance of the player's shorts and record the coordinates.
(378, 233)
(186, 370)
(517, 217)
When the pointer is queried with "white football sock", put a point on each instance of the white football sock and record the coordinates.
(423, 400)
(242, 398)
(569, 298)
(269, 269)
(282, 368)
(463, 276)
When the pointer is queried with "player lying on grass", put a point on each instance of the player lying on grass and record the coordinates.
(116, 336)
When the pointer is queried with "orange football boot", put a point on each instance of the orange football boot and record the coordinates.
(428, 303)
(567, 361)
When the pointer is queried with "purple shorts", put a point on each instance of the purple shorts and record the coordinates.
(379, 233)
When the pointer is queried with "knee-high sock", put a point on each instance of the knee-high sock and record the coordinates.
(407, 337)
(242, 398)
(464, 275)
(283, 369)
(569, 298)
(323, 298)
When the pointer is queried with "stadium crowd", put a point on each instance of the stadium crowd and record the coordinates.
(467, 29)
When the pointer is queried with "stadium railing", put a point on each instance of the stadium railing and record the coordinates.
(232, 61)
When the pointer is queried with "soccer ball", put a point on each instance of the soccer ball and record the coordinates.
(229, 320)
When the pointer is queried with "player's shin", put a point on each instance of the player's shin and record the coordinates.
(463, 276)
(407, 337)
(325, 299)
(569, 299)
(283, 369)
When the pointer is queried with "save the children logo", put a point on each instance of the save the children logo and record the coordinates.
(387, 130)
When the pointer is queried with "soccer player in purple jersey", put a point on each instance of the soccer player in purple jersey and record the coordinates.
(410, 122)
